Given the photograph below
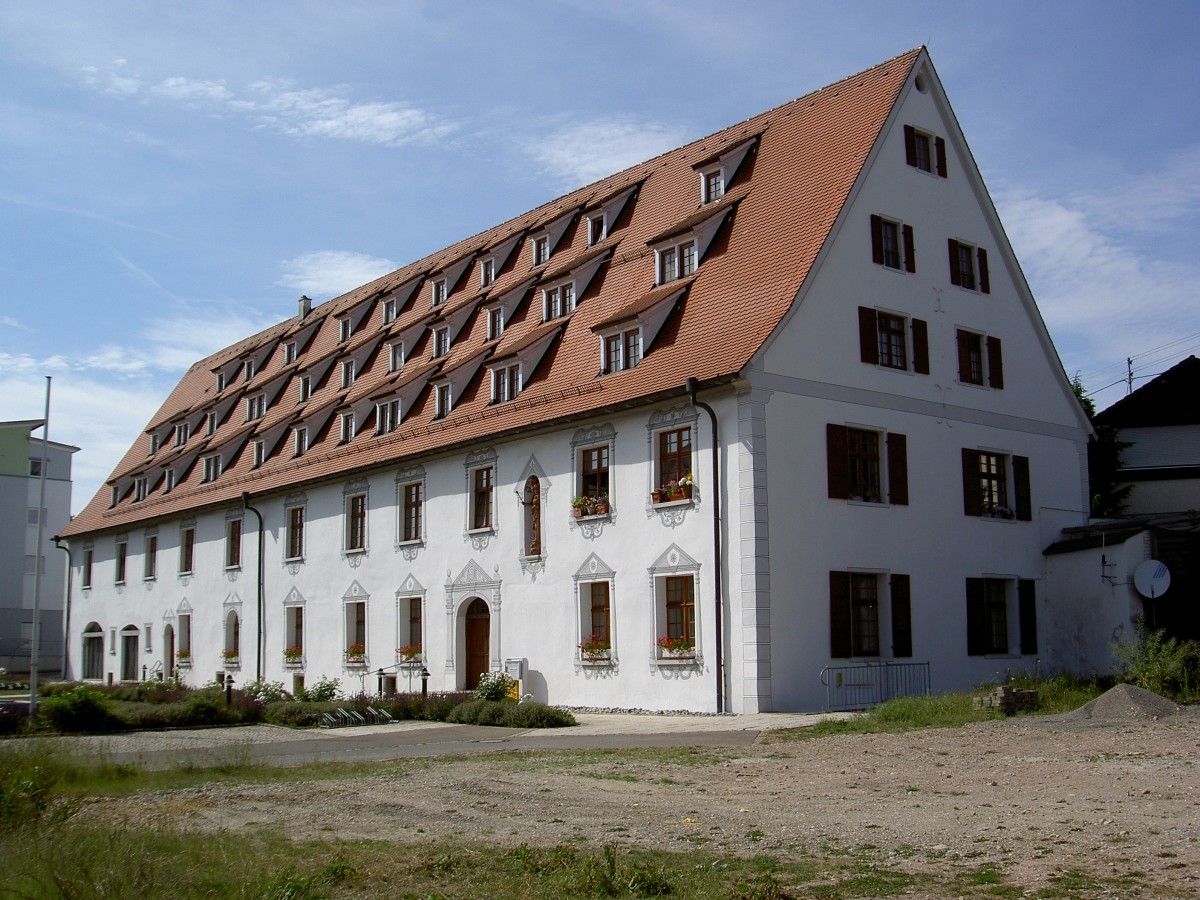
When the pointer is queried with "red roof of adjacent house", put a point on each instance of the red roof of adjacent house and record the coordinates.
(785, 197)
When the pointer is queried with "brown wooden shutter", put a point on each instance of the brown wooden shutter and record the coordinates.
(995, 363)
(940, 147)
(837, 452)
(868, 337)
(976, 618)
(955, 271)
(877, 240)
(839, 615)
(901, 616)
(1027, 608)
(972, 492)
(1021, 492)
(920, 337)
(985, 281)
(910, 145)
(964, 357)
(910, 252)
(897, 460)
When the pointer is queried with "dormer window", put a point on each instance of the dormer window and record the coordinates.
(439, 292)
(305, 387)
(346, 427)
(506, 383)
(210, 423)
(441, 342)
(153, 444)
(345, 329)
(443, 401)
(260, 453)
(676, 262)
(299, 441)
(387, 416)
(289, 353)
(558, 301)
(249, 369)
(389, 310)
(347, 373)
(597, 228)
(140, 489)
(541, 250)
(395, 356)
(487, 272)
(712, 185)
(622, 350)
(212, 468)
(181, 434)
(495, 320)
(168, 480)
(256, 407)
(220, 382)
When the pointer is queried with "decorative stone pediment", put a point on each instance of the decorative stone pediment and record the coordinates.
(410, 585)
(472, 575)
(594, 569)
(293, 598)
(355, 592)
(674, 561)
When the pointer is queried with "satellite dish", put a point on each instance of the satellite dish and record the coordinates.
(1151, 578)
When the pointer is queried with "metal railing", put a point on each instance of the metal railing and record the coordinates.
(860, 685)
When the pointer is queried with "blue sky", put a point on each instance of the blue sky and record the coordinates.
(174, 175)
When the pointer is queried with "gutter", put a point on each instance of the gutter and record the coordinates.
(691, 386)
(258, 648)
(66, 657)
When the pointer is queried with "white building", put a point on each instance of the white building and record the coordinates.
(814, 314)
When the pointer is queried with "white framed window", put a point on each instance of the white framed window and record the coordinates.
(248, 369)
(289, 353)
(541, 250)
(295, 517)
(595, 619)
(181, 434)
(153, 444)
(487, 271)
(260, 452)
(356, 629)
(120, 562)
(233, 543)
(712, 185)
(212, 467)
(140, 489)
(506, 383)
(168, 480)
(346, 427)
(220, 382)
(441, 342)
(256, 407)
(395, 356)
(438, 288)
(443, 401)
(347, 373)
(597, 228)
(210, 423)
(345, 329)
(299, 441)
(558, 301)
(675, 262)
(305, 387)
(677, 607)
(150, 557)
(187, 549)
(410, 504)
(622, 350)
(387, 416)
(482, 497)
(969, 267)
(388, 310)
(495, 320)
(85, 571)
(356, 523)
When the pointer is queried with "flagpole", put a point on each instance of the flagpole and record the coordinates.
(36, 648)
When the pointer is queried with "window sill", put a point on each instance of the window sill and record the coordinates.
(858, 501)
(293, 559)
(690, 659)
(183, 663)
(356, 551)
(416, 542)
(670, 504)
(149, 578)
(236, 568)
(357, 662)
(604, 662)
(588, 517)
(232, 662)
(485, 530)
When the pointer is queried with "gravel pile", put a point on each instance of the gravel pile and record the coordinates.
(1125, 703)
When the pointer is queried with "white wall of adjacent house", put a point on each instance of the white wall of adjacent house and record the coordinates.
(538, 607)
(1157, 448)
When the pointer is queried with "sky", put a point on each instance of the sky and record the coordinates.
(174, 175)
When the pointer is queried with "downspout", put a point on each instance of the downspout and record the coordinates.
(691, 386)
(66, 658)
(258, 649)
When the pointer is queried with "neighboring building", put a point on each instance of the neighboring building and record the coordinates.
(20, 489)
(1160, 422)
(814, 315)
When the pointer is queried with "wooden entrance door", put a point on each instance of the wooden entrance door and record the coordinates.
(168, 651)
(478, 628)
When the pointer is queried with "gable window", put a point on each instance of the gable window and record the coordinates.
(150, 558)
(980, 359)
(305, 387)
(233, 544)
(300, 441)
(857, 466)
(212, 468)
(968, 267)
(345, 329)
(387, 416)
(986, 479)
(597, 229)
(541, 250)
(356, 523)
(181, 434)
(442, 402)
(289, 352)
(438, 289)
(220, 382)
(622, 351)
(259, 450)
(168, 480)
(441, 342)
(495, 322)
(85, 574)
(674, 455)
(256, 408)
(388, 311)
(893, 244)
(294, 538)
(187, 550)
(487, 272)
(410, 514)
(346, 427)
(481, 497)
(506, 383)
(119, 567)
(924, 151)
(859, 612)
(712, 185)
(558, 301)
(676, 262)
(140, 489)
(347, 373)
(395, 356)
(883, 340)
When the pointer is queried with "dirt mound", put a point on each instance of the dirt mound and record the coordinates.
(1122, 704)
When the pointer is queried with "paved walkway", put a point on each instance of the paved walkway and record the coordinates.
(273, 745)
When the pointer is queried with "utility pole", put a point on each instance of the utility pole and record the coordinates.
(36, 648)
(1129, 375)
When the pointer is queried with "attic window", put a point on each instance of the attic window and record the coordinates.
(388, 311)
(249, 369)
(675, 262)
(305, 387)
(541, 250)
(441, 342)
(345, 329)
(256, 407)
(260, 454)
(289, 352)
(597, 228)
(495, 320)
(347, 373)
(220, 382)
(181, 434)
(506, 383)
(487, 272)
(395, 356)
(140, 489)
(439, 292)
(558, 301)
(443, 403)
(300, 439)
(387, 416)
(924, 151)
(346, 427)
(712, 185)
(210, 423)
(622, 350)
(212, 467)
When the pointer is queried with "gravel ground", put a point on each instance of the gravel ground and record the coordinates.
(1111, 790)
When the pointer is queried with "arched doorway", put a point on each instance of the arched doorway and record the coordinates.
(478, 634)
(93, 652)
(168, 651)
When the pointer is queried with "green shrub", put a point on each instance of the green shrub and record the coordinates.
(493, 686)
(296, 713)
(82, 708)
(25, 783)
(13, 720)
(1160, 664)
(265, 691)
(325, 690)
(479, 712)
(509, 714)
(538, 715)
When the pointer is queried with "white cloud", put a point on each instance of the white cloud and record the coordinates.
(10, 322)
(582, 152)
(1150, 201)
(279, 106)
(328, 273)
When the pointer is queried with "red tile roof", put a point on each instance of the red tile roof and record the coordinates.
(788, 193)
